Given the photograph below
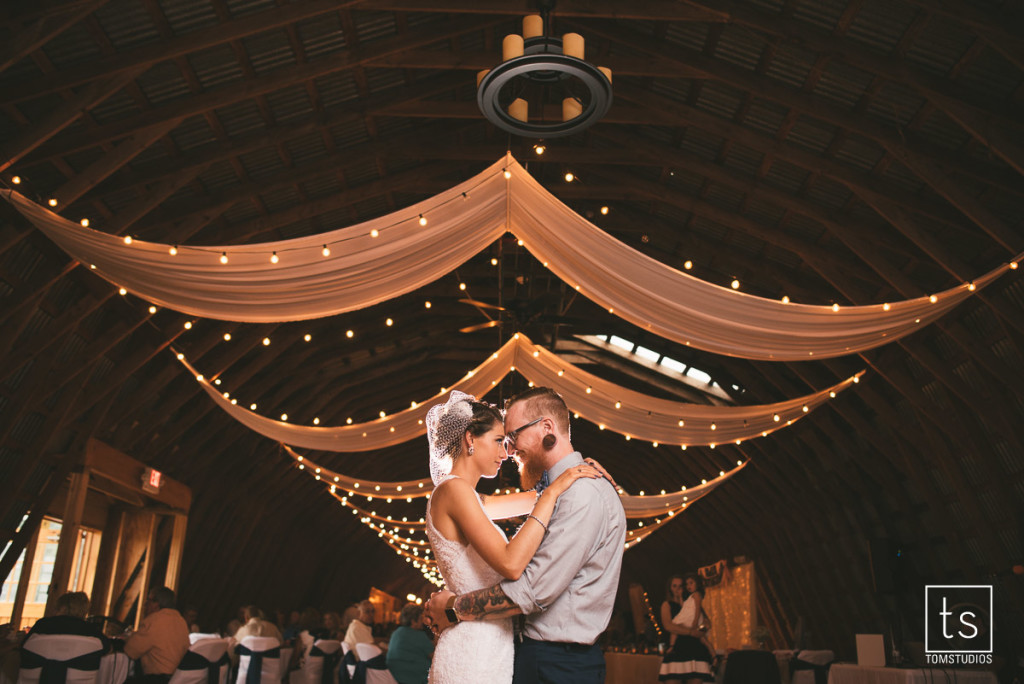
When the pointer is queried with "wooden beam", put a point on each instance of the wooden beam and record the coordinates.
(653, 10)
(163, 50)
(29, 39)
(990, 25)
(248, 88)
(71, 527)
(61, 117)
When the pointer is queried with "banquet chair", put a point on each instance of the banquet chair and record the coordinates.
(200, 636)
(259, 660)
(60, 658)
(205, 662)
(751, 667)
(114, 668)
(810, 667)
(320, 666)
(347, 670)
(372, 667)
(286, 663)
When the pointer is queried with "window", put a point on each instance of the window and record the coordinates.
(645, 353)
(621, 343)
(672, 364)
(698, 374)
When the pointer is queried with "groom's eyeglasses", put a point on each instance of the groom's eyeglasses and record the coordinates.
(510, 438)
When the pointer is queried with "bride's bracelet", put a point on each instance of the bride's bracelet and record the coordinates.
(531, 515)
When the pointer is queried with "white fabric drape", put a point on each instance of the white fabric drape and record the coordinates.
(363, 270)
(344, 488)
(611, 406)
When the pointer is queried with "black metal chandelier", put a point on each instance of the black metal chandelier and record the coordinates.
(543, 70)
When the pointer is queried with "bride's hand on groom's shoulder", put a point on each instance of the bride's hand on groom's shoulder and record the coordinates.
(604, 473)
(565, 480)
(433, 612)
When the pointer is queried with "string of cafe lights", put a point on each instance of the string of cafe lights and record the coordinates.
(274, 256)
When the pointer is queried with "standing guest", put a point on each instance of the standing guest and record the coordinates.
(410, 649)
(161, 640)
(360, 631)
(682, 615)
(69, 618)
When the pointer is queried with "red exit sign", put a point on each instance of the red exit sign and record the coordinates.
(152, 480)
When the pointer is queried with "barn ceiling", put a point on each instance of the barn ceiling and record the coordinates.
(835, 151)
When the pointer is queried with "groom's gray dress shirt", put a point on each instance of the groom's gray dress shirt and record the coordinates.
(568, 589)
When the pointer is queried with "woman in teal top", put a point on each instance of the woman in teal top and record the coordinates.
(410, 649)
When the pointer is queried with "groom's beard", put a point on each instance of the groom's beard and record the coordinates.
(529, 473)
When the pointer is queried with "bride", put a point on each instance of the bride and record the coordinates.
(467, 441)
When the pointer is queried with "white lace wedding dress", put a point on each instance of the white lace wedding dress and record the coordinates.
(478, 651)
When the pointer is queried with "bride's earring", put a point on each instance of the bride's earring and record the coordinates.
(470, 450)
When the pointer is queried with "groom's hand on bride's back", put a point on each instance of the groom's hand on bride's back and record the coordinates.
(433, 612)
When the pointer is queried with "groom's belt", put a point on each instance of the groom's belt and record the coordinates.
(569, 646)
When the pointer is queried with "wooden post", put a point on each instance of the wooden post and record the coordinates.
(147, 567)
(176, 552)
(24, 577)
(111, 572)
(71, 527)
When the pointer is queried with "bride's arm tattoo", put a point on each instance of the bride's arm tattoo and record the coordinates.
(486, 604)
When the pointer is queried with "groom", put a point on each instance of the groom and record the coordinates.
(568, 589)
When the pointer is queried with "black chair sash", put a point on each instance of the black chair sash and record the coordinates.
(820, 671)
(378, 662)
(330, 662)
(343, 676)
(56, 671)
(255, 672)
(193, 661)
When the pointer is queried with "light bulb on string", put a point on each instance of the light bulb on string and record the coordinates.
(274, 258)
(223, 257)
(52, 202)
(266, 341)
(16, 180)
(423, 220)
(349, 334)
(785, 299)
(735, 284)
(326, 251)
(604, 211)
(227, 337)
(507, 174)
(188, 325)
(173, 250)
(569, 177)
(152, 309)
(122, 291)
(389, 322)
(127, 239)
(84, 222)
(307, 337)
(688, 264)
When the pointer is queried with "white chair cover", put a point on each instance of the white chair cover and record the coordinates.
(199, 636)
(270, 671)
(209, 650)
(286, 663)
(62, 648)
(379, 676)
(816, 657)
(114, 668)
(367, 651)
(313, 667)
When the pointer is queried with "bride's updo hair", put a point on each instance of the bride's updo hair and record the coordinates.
(483, 420)
(448, 423)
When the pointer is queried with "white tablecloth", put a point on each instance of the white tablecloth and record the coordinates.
(845, 673)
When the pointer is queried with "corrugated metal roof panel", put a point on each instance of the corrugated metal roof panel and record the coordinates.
(280, 199)
(321, 35)
(785, 176)
(127, 24)
(185, 16)
(162, 83)
(812, 134)
(765, 116)
(337, 89)
(306, 149)
(940, 46)
(373, 26)
(842, 83)
(289, 104)
(740, 46)
(215, 66)
(880, 24)
(692, 34)
(219, 176)
(824, 14)
(791, 65)
(74, 48)
(269, 51)
(191, 133)
(118, 106)
(992, 74)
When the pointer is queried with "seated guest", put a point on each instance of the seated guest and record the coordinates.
(360, 630)
(255, 626)
(69, 618)
(332, 625)
(310, 629)
(410, 649)
(161, 640)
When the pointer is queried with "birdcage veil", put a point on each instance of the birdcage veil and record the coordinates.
(446, 424)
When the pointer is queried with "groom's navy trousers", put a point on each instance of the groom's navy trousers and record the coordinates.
(551, 662)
